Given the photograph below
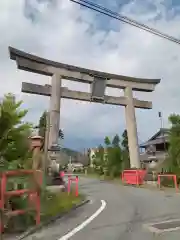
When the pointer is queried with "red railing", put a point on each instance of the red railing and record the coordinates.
(169, 176)
(33, 194)
(136, 177)
(71, 179)
(133, 177)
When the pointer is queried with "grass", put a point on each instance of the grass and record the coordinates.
(57, 203)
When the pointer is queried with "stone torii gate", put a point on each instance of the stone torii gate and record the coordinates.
(98, 81)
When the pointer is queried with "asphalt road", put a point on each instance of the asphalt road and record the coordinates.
(126, 212)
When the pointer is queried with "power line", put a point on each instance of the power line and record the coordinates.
(109, 13)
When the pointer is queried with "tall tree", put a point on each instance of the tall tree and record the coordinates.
(116, 141)
(174, 144)
(114, 157)
(125, 148)
(107, 141)
(115, 161)
(125, 140)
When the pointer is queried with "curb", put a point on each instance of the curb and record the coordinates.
(51, 220)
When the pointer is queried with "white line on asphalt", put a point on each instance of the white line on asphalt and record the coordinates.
(85, 223)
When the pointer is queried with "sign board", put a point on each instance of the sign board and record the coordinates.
(98, 89)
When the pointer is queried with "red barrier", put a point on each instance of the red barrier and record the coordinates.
(34, 194)
(62, 174)
(70, 180)
(133, 177)
(173, 176)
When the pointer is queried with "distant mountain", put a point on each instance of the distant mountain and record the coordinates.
(70, 152)
(76, 156)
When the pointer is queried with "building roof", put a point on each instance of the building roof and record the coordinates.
(159, 137)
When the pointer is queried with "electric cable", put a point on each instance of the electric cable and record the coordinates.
(110, 13)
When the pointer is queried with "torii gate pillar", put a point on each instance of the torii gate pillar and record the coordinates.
(55, 103)
(131, 129)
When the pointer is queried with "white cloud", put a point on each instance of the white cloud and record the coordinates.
(64, 32)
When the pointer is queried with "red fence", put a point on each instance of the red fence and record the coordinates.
(169, 176)
(71, 179)
(133, 177)
(34, 194)
(136, 177)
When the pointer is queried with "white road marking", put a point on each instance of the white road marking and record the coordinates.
(85, 223)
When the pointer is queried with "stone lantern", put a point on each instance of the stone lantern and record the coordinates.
(36, 143)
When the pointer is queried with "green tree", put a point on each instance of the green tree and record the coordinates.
(115, 161)
(14, 133)
(114, 157)
(99, 159)
(116, 141)
(125, 140)
(107, 141)
(125, 150)
(174, 144)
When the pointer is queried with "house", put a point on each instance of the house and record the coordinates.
(75, 167)
(154, 151)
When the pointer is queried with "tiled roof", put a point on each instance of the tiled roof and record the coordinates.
(155, 140)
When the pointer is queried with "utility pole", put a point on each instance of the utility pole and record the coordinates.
(161, 119)
(161, 128)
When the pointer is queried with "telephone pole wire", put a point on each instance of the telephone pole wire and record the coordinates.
(117, 16)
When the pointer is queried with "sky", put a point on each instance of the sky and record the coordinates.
(63, 31)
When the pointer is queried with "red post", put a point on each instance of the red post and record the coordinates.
(175, 182)
(122, 177)
(38, 208)
(77, 193)
(3, 190)
(69, 184)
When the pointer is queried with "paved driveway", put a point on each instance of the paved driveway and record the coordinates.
(126, 212)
